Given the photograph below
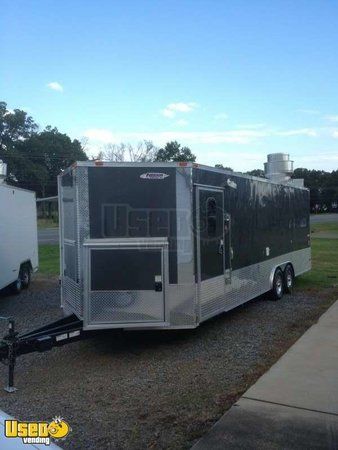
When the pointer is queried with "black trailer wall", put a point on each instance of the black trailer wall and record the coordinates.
(263, 214)
(122, 204)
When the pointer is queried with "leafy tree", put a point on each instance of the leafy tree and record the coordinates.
(174, 152)
(323, 186)
(14, 126)
(34, 158)
(256, 173)
(48, 153)
(220, 166)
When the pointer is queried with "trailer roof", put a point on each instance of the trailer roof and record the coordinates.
(9, 186)
(174, 164)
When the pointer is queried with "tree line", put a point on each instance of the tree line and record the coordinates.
(35, 158)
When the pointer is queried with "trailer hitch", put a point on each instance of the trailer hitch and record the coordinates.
(9, 340)
(55, 334)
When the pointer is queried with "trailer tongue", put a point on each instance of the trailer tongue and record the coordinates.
(64, 331)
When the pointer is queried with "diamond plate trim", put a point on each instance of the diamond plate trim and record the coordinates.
(72, 297)
(125, 307)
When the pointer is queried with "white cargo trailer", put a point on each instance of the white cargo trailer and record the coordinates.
(18, 236)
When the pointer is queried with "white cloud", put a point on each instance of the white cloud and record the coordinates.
(104, 136)
(205, 137)
(253, 126)
(310, 132)
(182, 123)
(100, 134)
(324, 156)
(241, 149)
(168, 113)
(332, 118)
(172, 109)
(234, 136)
(237, 160)
(55, 86)
(221, 116)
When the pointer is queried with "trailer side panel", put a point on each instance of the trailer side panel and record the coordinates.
(269, 228)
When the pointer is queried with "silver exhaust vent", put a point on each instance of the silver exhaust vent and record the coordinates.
(278, 168)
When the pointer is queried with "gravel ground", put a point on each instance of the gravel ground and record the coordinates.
(140, 390)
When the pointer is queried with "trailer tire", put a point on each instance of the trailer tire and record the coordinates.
(16, 287)
(277, 290)
(25, 275)
(289, 278)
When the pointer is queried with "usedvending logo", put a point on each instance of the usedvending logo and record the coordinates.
(37, 432)
(154, 176)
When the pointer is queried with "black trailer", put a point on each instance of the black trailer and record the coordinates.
(169, 245)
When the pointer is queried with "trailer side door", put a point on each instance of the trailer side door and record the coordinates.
(210, 246)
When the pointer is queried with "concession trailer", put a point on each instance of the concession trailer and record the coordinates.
(168, 246)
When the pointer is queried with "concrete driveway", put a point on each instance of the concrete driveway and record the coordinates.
(292, 406)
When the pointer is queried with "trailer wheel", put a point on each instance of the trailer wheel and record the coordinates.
(25, 275)
(289, 278)
(16, 287)
(277, 285)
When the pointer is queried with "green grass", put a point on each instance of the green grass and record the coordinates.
(48, 223)
(328, 226)
(324, 271)
(49, 260)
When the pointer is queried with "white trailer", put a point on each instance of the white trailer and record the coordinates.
(18, 236)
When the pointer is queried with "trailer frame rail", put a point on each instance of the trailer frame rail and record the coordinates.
(55, 334)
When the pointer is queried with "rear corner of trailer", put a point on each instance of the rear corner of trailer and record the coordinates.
(302, 232)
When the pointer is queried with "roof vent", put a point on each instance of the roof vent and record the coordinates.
(278, 168)
(3, 171)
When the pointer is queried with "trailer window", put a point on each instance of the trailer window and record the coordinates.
(211, 209)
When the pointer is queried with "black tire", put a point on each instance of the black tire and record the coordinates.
(289, 279)
(25, 275)
(277, 290)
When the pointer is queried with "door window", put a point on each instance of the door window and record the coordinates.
(211, 233)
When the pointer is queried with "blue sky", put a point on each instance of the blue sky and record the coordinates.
(233, 80)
